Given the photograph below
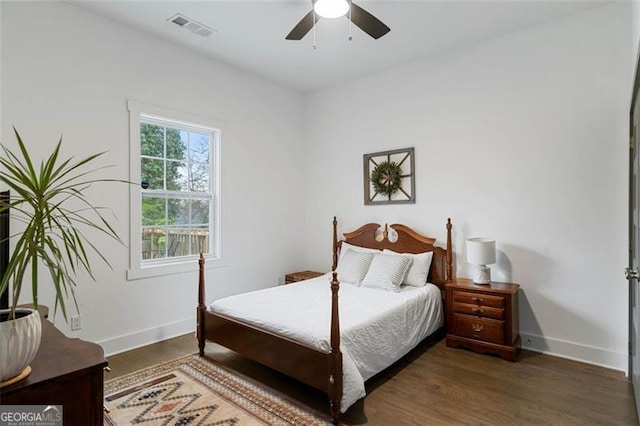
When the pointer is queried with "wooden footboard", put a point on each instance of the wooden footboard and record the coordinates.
(287, 356)
(319, 369)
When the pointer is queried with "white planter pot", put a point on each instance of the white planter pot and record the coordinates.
(19, 341)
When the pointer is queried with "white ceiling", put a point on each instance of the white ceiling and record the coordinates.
(251, 34)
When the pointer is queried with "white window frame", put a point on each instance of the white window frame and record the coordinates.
(138, 269)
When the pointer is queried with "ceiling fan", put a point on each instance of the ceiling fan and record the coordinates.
(336, 9)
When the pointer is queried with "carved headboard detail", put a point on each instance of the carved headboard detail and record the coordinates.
(373, 235)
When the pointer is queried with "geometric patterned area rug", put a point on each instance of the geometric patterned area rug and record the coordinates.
(194, 391)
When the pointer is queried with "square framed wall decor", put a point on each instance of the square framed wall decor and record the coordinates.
(389, 177)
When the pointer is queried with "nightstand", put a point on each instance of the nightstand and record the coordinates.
(300, 276)
(483, 318)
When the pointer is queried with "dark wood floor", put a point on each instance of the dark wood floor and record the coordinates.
(438, 385)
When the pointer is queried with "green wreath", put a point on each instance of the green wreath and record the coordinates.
(387, 178)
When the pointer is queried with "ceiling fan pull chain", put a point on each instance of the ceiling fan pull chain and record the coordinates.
(314, 30)
(350, 35)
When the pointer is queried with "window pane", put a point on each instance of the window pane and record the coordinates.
(161, 238)
(200, 212)
(178, 242)
(152, 171)
(177, 176)
(153, 243)
(153, 211)
(176, 144)
(200, 177)
(199, 239)
(199, 146)
(199, 162)
(152, 140)
(178, 211)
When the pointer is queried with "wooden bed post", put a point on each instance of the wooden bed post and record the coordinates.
(449, 272)
(335, 356)
(201, 307)
(335, 244)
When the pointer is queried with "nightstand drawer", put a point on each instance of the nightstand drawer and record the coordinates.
(479, 311)
(487, 330)
(478, 299)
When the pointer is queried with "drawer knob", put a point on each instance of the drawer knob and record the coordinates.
(478, 299)
(477, 311)
(477, 327)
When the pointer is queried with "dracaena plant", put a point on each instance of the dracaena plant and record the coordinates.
(50, 201)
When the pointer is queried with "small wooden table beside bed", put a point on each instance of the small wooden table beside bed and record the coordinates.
(390, 300)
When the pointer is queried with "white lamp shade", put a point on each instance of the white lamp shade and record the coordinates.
(331, 8)
(481, 251)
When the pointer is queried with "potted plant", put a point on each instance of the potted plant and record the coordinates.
(50, 201)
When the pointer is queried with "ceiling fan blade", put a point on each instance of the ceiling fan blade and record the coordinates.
(303, 27)
(367, 22)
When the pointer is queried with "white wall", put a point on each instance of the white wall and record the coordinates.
(522, 138)
(71, 72)
(635, 25)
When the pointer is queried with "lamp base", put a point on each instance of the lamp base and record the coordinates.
(482, 275)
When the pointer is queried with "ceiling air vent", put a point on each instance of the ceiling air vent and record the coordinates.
(191, 25)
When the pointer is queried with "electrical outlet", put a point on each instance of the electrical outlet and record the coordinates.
(76, 323)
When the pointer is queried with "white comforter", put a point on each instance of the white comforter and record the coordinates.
(377, 327)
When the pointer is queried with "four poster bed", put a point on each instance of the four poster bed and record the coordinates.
(380, 322)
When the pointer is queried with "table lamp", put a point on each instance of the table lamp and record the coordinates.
(482, 252)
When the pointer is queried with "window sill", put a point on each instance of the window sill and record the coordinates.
(163, 268)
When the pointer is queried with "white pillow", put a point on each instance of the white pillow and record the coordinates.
(346, 246)
(387, 271)
(419, 271)
(353, 266)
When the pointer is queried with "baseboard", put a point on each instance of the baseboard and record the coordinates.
(588, 354)
(146, 337)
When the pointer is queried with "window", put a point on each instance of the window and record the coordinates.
(174, 209)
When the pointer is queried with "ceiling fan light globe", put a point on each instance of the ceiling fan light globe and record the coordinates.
(331, 8)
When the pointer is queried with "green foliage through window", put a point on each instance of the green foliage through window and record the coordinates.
(176, 204)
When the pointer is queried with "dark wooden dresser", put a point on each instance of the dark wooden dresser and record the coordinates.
(483, 318)
(67, 372)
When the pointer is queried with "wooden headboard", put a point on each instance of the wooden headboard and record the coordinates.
(408, 241)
